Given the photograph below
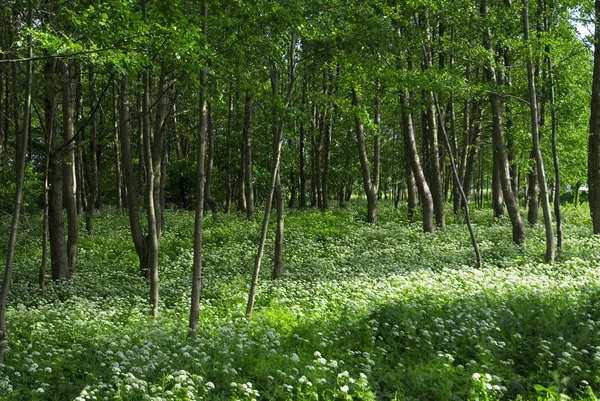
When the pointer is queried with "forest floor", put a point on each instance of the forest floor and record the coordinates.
(361, 313)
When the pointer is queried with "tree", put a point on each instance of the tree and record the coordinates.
(18, 200)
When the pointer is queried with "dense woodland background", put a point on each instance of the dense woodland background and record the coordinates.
(246, 107)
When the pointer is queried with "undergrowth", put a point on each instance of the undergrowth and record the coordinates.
(362, 313)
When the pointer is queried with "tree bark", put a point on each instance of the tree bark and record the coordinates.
(497, 199)
(557, 189)
(279, 232)
(200, 188)
(117, 151)
(277, 130)
(498, 137)
(415, 163)
(150, 193)
(532, 192)
(275, 171)
(229, 181)
(139, 241)
(210, 139)
(457, 183)
(18, 200)
(80, 166)
(248, 187)
(302, 155)
(368, 185)
(58, 249)
(92, 163)
(68, 169)
(541, 176)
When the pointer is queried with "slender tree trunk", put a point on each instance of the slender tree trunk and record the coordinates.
(45, 225)
(293, 189)
(275, 173)
(302, 155)
(369, 187)
(79, 167)
(158, 142)
(200, 188)
(140, 243)
(411, 188)
(471, 160)
(58, 249)
(68, 167)
(149, 195)
(241, 206)
(436, 184)
(456, 200)
(377, 138)
(248, 187)
(269, 202)
(498, 138)
(318, 147)
(92, 163)
(278, 260)
(497, 199)
(18, 200)
(210, 139)
(415, 163)
(457, 183)
(117, 150)
(326, 164)
(532, 193)
(228, 177)
(550, 249)
(557, 189)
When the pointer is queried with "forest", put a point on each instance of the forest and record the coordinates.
(299, 200)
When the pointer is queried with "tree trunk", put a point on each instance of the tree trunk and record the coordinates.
(278, 259)
(45, 224)
(456, 200)
(275, 172)
(92, 163)
(326, 163)
(377, 138)
(58, 249)
(200, 188)
(415, 163)
(117, 150)
(472, 150)
(248, 187)
(210, 139)
(318, 154)
(158, 142)
(437, 190)
(557, 189)
(368, 185)
(411, 188)
(228, 174)
(149, 193)
(302, 155)
(18, 200)
(498, 138)
(68, 169)
(497, 199)
(457, 183)
(140, 243)
(80, 166)
(541, 177)
(241, 205)
(277, 130)
(532, 193)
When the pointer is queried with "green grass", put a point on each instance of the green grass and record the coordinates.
(362, 313)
